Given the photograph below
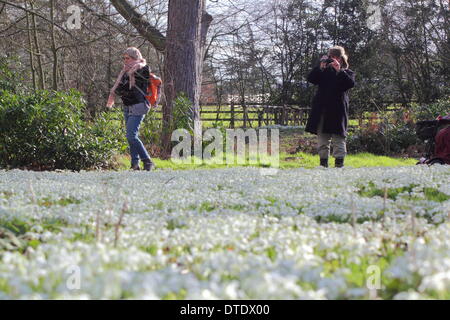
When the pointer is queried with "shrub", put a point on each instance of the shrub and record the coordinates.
(386, 140)
(431, 111)
(396, 131)
(46, 130)
(361, 140)
(151, 128)
(152, 125)
(400, 137)
(182, 113)
(10, 79)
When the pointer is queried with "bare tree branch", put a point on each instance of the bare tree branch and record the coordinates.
(106, 18)
(37, 15)
(148, 31)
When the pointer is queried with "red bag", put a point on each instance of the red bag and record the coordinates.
(153, 90)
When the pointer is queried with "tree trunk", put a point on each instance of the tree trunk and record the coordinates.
(54, 50)
(30, 44)
(188, 25)
(38, 50)
(109, 75)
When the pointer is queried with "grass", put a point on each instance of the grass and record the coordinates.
(287, 161)
(430, 194)
(289, 142)
(48, 202)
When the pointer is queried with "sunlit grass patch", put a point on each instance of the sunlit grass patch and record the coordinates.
(286, 161)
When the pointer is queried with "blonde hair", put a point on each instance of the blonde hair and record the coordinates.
(134, 53)
(338, 51)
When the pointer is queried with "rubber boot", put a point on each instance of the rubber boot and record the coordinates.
(148, 165)
(324, 162)
(339, 162)
(135, 167)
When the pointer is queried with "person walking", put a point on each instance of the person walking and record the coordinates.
(131, 85)
(328, 118)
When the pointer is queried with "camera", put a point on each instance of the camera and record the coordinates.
(327, 60)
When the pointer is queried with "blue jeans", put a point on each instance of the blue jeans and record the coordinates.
(137, 149)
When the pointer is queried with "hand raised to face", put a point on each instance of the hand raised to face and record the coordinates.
(335, 64)
(323, 65)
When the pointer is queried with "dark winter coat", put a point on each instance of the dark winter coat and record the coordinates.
(133, 96)
(331, 100)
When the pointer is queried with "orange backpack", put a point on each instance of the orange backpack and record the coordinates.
(153, 90)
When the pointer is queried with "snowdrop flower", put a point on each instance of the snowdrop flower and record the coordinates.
(224, 234)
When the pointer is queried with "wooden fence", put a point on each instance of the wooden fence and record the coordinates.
(257, 115)
(250, 115)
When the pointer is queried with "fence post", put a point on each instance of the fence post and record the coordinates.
(232, 115)
(244, 109)
(260, 117)
(275, 115)
(275, 112)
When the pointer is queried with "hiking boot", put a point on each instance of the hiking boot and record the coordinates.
(135, 167)
(148, 165)
(324, 162)
(339, 162)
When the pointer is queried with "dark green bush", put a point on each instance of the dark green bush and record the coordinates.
(46, 130)
(400, 137)
(361, 140)
(151, 128)
(396, 131)
(182, 113)
(431, 111)
(387, 140)
(10, 79)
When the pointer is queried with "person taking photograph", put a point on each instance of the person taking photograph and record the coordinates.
(329, 114)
